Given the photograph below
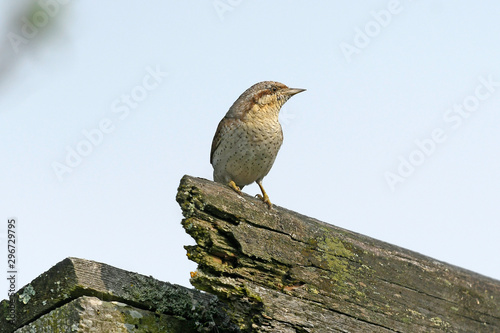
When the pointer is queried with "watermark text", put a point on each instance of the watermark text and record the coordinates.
(12, 265)
(94, 137)
(453, 118)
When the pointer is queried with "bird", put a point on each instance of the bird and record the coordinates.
(249, 136)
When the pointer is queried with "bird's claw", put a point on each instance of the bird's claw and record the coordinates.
(266, 199)
(235, 187)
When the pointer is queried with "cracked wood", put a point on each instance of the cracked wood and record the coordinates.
(279, 271)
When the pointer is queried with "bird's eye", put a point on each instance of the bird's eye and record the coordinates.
(274, 89)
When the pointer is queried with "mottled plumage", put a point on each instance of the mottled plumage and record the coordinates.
(249, 136)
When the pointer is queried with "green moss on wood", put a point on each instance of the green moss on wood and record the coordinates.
(203, 316)
(28, 292)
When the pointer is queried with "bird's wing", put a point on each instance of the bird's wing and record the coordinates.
(221, 129)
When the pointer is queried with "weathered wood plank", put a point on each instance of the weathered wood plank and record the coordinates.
(280, 271)
(90, 314)
(73, 278)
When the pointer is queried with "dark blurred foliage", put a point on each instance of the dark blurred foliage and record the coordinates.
(27, 28)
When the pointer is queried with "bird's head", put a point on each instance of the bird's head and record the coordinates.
(262, 99)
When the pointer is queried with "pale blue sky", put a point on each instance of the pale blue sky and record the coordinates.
(360, 117)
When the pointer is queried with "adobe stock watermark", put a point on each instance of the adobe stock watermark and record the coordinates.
(12, 265)
(225, 6)
(120, 106)
(31, 26)
(380, 20)
(453, 119)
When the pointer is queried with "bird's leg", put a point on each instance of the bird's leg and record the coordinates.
(235, 187)
(264, 197)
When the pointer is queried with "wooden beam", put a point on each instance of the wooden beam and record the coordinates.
(279, 271)
(88, 296)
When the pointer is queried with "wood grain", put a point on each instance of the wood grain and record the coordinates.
(279, 271)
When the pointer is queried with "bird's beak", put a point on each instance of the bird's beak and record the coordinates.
(292, 91)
